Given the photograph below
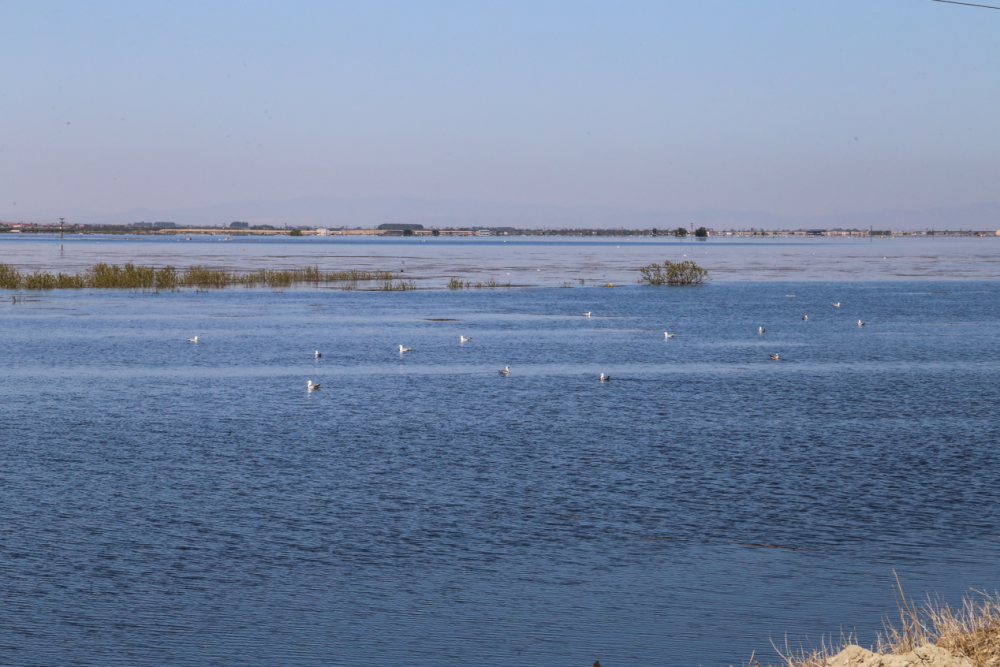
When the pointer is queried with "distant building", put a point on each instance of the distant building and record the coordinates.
(398, 227)
(161, 225)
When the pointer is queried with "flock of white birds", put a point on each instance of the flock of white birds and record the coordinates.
(505, 371)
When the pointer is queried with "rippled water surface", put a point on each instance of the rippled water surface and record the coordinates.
(175, 503)
(525, 260)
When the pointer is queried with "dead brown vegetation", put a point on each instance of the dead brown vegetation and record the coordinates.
(969, 634)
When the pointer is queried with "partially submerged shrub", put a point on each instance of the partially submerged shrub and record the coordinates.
(674, 273)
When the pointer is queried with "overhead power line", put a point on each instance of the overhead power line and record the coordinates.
(967, 4)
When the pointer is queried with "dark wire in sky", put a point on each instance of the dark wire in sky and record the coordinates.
(967, 4)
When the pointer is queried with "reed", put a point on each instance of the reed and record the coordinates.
(10, 278)
(972, 630)
(199, 276)
(67, 281)
(131, 276)
(398, 286)
(38, 280)
(128, 276)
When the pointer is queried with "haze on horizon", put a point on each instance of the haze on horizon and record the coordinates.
(793, 108)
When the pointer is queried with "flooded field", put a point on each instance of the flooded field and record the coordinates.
(552, 261)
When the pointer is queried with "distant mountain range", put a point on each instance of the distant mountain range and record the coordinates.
(350, 212)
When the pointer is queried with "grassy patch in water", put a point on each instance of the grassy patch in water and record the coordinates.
(455, 283)
(131, 276)
(673, 273)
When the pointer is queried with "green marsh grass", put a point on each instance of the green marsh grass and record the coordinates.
(673, 273)
(131, 276)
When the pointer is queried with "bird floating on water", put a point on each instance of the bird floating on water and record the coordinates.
(505, 370)
(605, 378)
(667, 335)
(463, 339)
(404, 349)
(193, 340)
(861, 324)
(587, 314)
(836, 305)
(318, 354)
(773, 356)
(761, 329)
(805, 318)
(311, 386)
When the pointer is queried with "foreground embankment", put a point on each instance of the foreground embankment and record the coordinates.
(935, 635)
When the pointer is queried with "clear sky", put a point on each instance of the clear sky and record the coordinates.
(791, 107)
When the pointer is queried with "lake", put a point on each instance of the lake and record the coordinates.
(525, 260)
(175, 503)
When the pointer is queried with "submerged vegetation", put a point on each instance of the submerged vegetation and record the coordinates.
(674, 273)
(398, 286)
(130, 276)
(455, 283)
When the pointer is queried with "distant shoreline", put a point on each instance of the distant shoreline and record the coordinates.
(475, 232)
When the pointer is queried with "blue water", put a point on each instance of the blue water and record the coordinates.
(170, 503)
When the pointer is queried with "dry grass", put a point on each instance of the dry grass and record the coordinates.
(973, 630)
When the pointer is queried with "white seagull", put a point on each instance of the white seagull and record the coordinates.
(505, 370)
(193, 340)
(463, 339)
(773, 356)
(667, 335)
(587, 314)
(836, 305)
(404, 349)
(605, 378)
(318, 354)
(861, 324)
(311, 386)
(761, 329)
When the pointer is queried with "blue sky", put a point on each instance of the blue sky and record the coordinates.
(796, 108)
